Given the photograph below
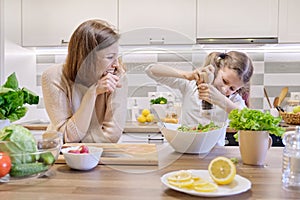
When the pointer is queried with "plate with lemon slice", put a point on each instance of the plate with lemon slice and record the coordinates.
(219, 180)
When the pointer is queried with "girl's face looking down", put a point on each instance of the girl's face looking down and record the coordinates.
(107, 60)
(227, 81)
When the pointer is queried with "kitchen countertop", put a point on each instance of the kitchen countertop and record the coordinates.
(129, 127)
(143, 182)
(135, 127)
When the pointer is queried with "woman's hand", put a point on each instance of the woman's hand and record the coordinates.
(107, 83)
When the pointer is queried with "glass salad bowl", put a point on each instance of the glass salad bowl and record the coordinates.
(30, 155)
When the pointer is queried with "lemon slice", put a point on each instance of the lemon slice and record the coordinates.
(205, 187)
(222, 170)
(182, 184)
(200, 183)
(180, 176)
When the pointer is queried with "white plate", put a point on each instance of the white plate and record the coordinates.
(239, 185)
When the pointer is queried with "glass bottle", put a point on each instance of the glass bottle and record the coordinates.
(291, 160)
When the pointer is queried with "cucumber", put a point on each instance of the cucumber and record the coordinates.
(27, 169)
(47, 158)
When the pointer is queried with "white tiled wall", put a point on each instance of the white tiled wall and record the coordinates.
(271, 70)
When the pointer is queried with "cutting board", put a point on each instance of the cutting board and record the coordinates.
(122, 154)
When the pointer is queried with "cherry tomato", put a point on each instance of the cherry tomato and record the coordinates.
(5, 164)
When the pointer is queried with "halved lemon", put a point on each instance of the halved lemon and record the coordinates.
(222, 170)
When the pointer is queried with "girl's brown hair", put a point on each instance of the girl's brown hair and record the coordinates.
(237, 61)
(89, 37)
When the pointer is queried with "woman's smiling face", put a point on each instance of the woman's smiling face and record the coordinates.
(227, 81)
(107, 60)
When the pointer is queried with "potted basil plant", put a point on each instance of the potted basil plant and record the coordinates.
(254, 128)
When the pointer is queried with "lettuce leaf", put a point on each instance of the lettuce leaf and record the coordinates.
(19, 141)
(13, 99)
(255, 120)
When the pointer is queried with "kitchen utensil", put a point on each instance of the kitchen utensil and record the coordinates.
(122, 154)
(280, 109)
(266, 94)
(282, 95)
(275, 102)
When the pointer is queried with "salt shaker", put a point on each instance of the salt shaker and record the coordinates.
(291, 160)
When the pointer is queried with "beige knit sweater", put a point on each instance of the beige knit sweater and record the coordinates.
(63, 98)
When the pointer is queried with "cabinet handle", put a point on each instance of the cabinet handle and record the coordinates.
(155, 140)
(161, 41)
(64, 42)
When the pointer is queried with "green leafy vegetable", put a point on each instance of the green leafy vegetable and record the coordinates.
(255, 120)
(21, 141)
(199, 128)
(13, 98)
(159, 100)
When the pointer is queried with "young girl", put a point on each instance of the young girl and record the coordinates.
(85, 98)
(228, 77)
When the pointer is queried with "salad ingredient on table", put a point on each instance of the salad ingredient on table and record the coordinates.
(185, 179)
(5, 164)
(13, 99)
(199, 128)
(21, 146)
(222, 170)
(81, 149)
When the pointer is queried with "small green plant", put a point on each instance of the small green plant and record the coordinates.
(159, 100)
(255, 120)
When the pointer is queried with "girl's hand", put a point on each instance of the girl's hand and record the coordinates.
(209, 70)
(210, 94)
(202, 75)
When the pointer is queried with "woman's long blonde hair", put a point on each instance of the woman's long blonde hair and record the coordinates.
(90, 37)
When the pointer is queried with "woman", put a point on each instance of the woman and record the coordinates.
(220, 82)
(85, 97)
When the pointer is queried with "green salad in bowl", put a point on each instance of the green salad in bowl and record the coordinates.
(193, 139)
(199, 128)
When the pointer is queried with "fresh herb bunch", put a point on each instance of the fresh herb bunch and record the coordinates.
(13, 98)
(255, 120)
(159, 100)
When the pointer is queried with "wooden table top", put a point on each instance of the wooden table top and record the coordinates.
(143, 182)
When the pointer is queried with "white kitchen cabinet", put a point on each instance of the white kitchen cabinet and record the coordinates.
(237, 19)
(289, 15)
(157, 22)
(52, 22)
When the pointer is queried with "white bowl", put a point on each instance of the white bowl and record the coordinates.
(83, 161)
(191, 142)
